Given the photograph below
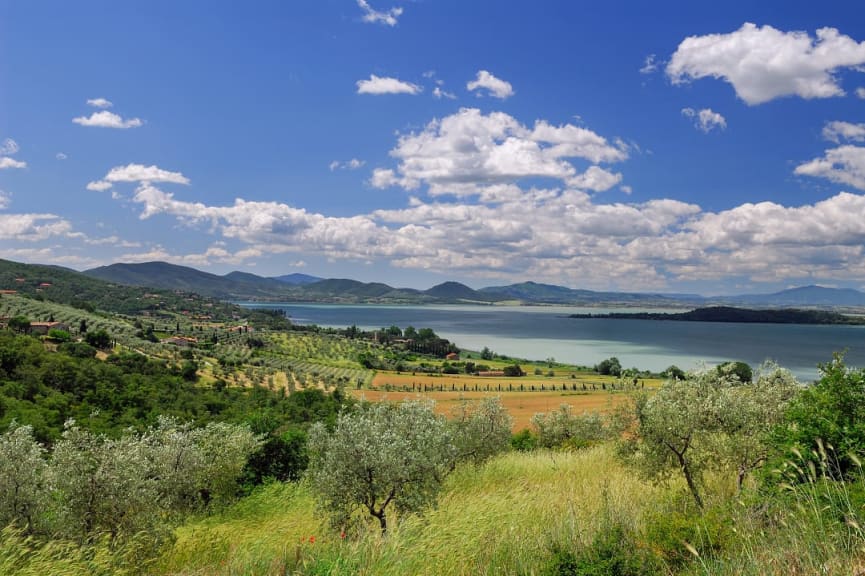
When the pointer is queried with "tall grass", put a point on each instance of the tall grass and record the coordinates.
(505, 517)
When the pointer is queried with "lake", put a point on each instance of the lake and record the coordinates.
(539, 332)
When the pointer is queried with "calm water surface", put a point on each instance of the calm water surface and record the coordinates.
(536, 332)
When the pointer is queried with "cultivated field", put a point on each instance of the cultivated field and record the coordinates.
(447, 391)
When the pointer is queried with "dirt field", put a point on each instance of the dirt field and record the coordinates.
(521, 405)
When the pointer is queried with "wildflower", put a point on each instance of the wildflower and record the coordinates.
(312, 539)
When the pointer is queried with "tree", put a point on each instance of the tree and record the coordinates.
(740, 370)
(487, 354)
(98, 339)
(609, 367)
(831, 413)
(513, 370)
(22, 477)
(673, 372)
(480, 429)
(563, 428)
(709, 420)
(20, 324)
(82, 326)
(378, 455)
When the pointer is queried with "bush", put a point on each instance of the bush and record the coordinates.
(524, 440)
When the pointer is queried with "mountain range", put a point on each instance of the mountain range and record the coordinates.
(304, 288)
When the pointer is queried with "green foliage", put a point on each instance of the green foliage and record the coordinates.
(673, 373)
(740, 370)
(524, 440)
(282, 457)
(830, 412)
(564, 429)
(480, 429)
(513, 370)
(59, 335)
(98, 339)
(20, 324)
(609, 367)
(709, 420)
(22, 474)
(378, 455)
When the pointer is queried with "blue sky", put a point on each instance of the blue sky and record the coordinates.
(713, 148)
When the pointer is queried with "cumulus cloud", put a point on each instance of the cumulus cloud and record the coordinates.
(5, 199)
(32, 227)
(763, 63)
(706, 119)
(352, 164)
(837, 131)
(860, 92)
(106, 119)
(466, 152)
(489, 84)
(388, 17)
(843, 165)
(137, 173)
(100, 103)
(61, 156)
(6, 162)
(383, 85)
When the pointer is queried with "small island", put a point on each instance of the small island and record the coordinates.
(738, 315)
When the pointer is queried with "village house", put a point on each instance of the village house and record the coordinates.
(44, 327)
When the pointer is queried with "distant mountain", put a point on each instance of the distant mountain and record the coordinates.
(297, 278)
(304, 288)
(533, 292)
(173, 277)
(454, 291)
(805, 296)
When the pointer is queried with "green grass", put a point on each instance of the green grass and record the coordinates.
(503, 518)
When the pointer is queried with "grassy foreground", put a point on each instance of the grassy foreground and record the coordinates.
(504, 518)
(537, 513)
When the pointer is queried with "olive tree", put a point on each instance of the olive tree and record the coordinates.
(709, 420)
(380, 455)
(22, 477)
(562, 428)
(102, 485)
(480, 429)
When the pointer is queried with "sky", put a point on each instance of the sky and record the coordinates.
(716, 148)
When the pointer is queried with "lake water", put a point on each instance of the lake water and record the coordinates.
(539, 332)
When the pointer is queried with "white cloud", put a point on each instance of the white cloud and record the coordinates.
(705, 119)
(8, 147)
(61, 156)
(763, 63)
(843, 165)
(650, 65)
(494, 86)
(6, 162)
(106, 119)
(596, 179)
(32, 227)
(141, 173)
(5, 199)
(466, 152)
(860, 92)
(388, 17)
(439, 93)
(352, 164)
(99, 186)
(100, 103)
(837, 131)
(378, 85)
